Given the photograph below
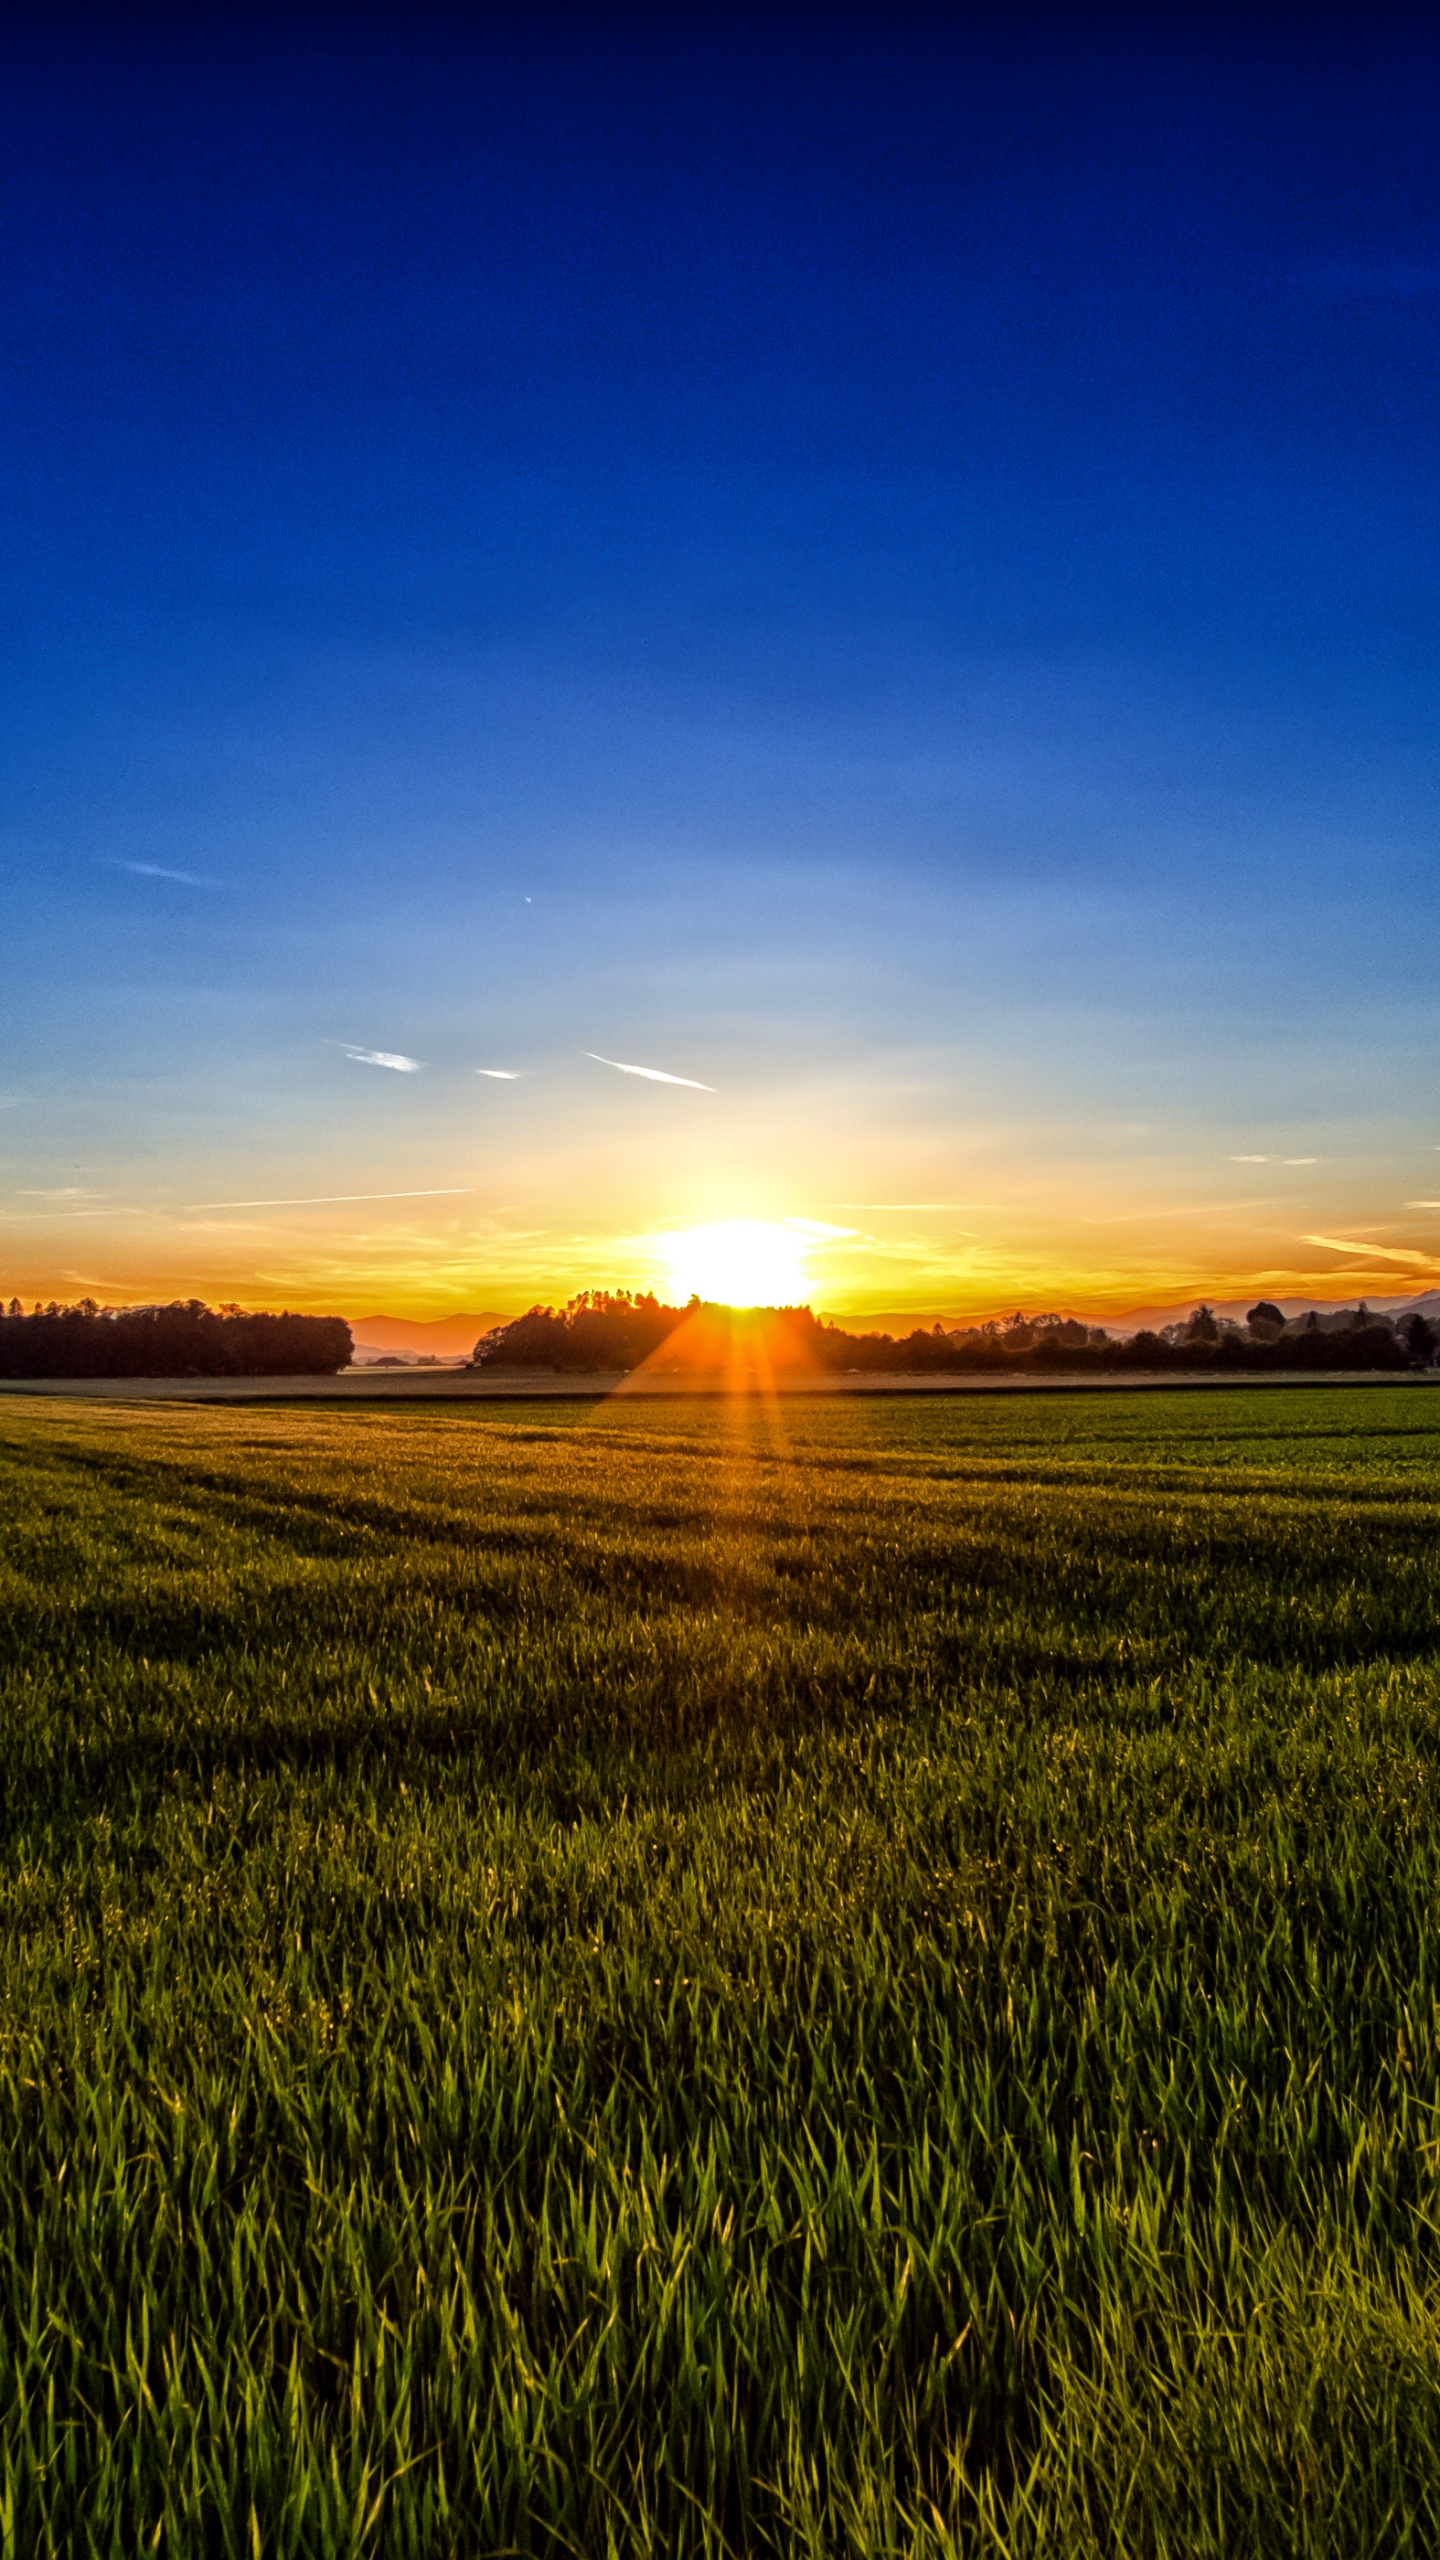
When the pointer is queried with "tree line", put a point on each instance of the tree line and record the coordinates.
(619, 1330)
(603, 1329)
(184, 1340)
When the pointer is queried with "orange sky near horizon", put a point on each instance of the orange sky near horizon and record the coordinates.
(1109, 1237)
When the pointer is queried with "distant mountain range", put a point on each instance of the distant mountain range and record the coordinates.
(1137, 1318)
(441, 1337)
(898, 1321)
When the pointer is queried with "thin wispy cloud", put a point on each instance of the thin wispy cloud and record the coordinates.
(652, 1075)
(392, 1058)
(502, 1075)
(65, 1191)
(1274, 1159)
(162, 871)
(329, 1199)
(1369, 1252)
(1189, 1209)
(1422, 1204)
(53, 1205)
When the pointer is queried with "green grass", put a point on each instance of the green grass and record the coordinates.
(653, 1980)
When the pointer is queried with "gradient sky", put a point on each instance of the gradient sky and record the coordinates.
(887, 570)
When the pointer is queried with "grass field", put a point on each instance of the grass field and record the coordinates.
(677, 1980)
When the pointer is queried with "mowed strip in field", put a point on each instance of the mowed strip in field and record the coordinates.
(847, 1980)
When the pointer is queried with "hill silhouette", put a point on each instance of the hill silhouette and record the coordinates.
(446, 1337)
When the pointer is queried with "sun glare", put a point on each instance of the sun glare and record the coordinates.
(740, 1264)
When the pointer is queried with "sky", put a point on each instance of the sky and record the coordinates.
(884, 569)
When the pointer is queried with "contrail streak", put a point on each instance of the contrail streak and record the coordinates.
(328, 1199)
(652, 1075)
(159, 871)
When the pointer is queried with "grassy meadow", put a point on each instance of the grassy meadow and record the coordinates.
(674, 1979)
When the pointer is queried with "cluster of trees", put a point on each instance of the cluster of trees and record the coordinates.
(186, 1340)
(601, 1330)
(1345, 1338)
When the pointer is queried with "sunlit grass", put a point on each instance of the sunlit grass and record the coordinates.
(634, 1981)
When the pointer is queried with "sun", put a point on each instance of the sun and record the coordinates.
(742, 1263)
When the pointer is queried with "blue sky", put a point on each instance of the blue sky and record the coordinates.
(888, 572)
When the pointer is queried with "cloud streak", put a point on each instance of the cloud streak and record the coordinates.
(329, 1199)
(1191, 1209)
(652, 1075)
(502, 1075)
(384, 1058)
(161, 871)
(1376, 1252)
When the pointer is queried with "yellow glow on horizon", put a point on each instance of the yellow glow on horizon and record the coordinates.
(740, 1263)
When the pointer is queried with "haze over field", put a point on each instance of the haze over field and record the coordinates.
(624, 629)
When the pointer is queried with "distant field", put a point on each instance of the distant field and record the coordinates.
(856, 1979)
